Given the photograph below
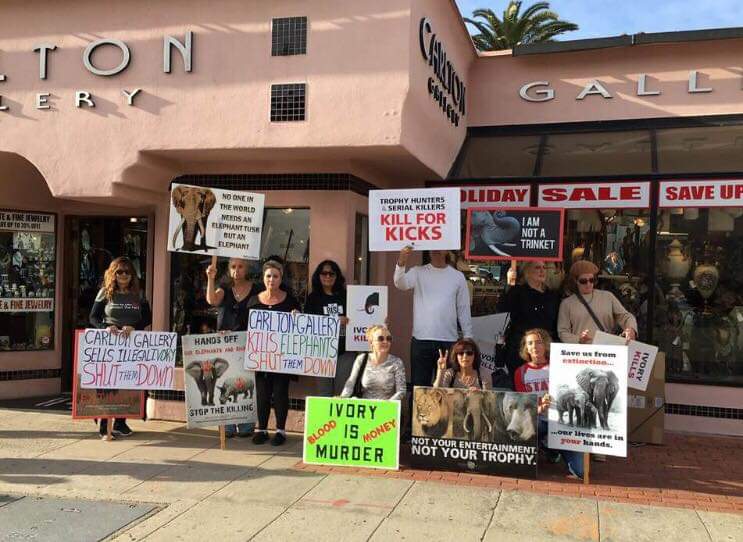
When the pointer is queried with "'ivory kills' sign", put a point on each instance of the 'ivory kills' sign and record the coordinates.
(595, 195)
(283, 342)
(701, 193)
(367, 306)
(143, 360)
(426, 219)
(216, 222)
(484, 196)
(641, 358)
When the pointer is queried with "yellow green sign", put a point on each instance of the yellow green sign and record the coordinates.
(352, 432)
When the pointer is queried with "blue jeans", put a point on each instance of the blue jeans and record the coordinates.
(574, 460)
(241, 428)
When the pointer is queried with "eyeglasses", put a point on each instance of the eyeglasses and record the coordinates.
(122, 272)
(327, 274)
(466, 353)
(587, 281)
(382, 339)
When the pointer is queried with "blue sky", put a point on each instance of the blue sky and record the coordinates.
(601, 18)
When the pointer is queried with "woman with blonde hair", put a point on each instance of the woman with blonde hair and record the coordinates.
(120, 308)
(377, 374)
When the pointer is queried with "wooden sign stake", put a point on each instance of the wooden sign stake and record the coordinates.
(586, 468)
(109, 428)
(222, 436)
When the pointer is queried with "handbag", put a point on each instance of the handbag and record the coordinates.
(357, 388)
(590, 311)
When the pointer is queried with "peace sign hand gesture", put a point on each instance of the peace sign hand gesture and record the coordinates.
(443, 356)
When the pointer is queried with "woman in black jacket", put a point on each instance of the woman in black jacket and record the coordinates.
(120, 308)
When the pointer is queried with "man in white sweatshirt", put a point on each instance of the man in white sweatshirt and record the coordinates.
(440, 299)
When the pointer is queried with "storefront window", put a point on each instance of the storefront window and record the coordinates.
(699, 308)
(27, 280)
(504, 156)
(286, 236)
(702, 149)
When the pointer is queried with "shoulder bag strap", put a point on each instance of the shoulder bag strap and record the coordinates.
(357, 389)
(590, 311)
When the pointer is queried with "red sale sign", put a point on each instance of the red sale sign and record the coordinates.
(487, 196)
(628, 195)
(728, 193)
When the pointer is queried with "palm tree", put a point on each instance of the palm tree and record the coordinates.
(537, 23)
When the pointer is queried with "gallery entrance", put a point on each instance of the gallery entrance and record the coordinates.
(91, 243)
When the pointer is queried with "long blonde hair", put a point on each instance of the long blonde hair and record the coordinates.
(109, 277)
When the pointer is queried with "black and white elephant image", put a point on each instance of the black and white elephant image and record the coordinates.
(194, 205)
(494, 231)
(477, 425)
(205, 374)
(573, 401)
(590, 416)
(602, 388)
(514, 417)
(235, 386)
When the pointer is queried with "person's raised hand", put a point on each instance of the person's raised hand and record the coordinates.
(344, 320)
(402, 259)
(630, 334)
(512, 274)
(211, 272)
(441, 363)
(126, 330)
(113, 330)
(585, 337)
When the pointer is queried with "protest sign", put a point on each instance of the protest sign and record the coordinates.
(588, 387)
(426, 219)
(283, 342)
(514, 234)
(352, 432)
(487, 332)
(641, 358)
(142, 360)
(367, 306)
(493, 432)
(216, 222)
(218, 390)
(100, 403)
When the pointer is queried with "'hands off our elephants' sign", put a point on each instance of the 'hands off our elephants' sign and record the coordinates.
(493, 432)
(218, 390)
(588, 387)
(352, 432)
(216, 222)
(283, 342)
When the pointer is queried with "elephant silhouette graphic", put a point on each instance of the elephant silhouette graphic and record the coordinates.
(496, 232)
(194, 205)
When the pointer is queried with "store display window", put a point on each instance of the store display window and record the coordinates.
(27, 280)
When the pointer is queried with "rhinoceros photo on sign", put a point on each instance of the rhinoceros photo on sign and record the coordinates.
(218, 390)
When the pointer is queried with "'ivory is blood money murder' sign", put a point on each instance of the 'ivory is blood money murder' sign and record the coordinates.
(367, 306)
(283, 342)
(218, 390)
(216, 222)
(588, 390)
(514, 234)
(352, 432)
(143, 360)
(426, 219)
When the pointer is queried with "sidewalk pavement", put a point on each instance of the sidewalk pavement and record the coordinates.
(195, 491)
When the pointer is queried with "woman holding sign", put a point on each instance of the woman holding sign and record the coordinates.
(462, 369)
(120, 308)
(232, 301)
(328, 297)
(377, 374)
(272, 386)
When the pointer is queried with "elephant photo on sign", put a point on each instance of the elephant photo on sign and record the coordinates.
(494, 233)
(587, 404)
(205, 374)
(193, 204)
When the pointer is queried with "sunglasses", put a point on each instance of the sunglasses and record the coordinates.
(123, 272)
(466, 353)
(587, 281)
(382, 339)
(327, 274)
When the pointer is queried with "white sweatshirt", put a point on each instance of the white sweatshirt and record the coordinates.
(440, 297)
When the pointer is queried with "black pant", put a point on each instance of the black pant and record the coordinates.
(272, 386)
(118, 422)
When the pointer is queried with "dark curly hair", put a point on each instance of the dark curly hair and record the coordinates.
(460, 346)
(340, 281)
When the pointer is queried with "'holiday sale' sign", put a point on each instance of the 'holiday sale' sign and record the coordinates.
(628, 195)
(426, 219)
(484, 196)
(727, 193)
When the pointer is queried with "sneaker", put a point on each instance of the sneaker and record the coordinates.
(278, 439)
(122, 430)
(105, 437)
(573, 473)
(260, 437)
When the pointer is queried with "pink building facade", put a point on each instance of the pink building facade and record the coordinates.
(315, 103)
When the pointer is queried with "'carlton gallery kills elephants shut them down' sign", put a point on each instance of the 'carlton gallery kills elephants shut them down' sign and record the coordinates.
(215, 222)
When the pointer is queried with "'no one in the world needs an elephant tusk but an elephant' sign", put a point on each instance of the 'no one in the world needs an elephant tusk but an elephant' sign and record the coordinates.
(215, 222)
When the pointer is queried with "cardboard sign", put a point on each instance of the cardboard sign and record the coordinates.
(100, 403)
(486, 196)
(424, 218)
(626, 195)
(641, 358)
(352, 432)
(145, 360)
(218, 390)
(514, 234)
(367, 306)
(493, 432)
(215, 222)
(23, 221)
(301, 344)
(26, 304)
(588, 387)
(646, 415)
(701, 193)
(488, 331)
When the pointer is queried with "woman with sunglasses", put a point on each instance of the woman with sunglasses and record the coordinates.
(328, 297)
(232, 300)
(589, 310)
(120, 308)
(381, 374)
(462, 370)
